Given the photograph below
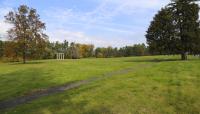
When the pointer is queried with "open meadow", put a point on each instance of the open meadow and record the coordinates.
(100, 57)
(132, 85)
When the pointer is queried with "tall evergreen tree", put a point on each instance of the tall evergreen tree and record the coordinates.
(175, 29)
(160, 35)
(186, 15)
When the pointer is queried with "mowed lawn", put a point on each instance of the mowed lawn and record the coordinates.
(156, 85)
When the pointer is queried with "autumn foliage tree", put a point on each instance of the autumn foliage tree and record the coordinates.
(11, 51)
(1, 48)
(27, 31)
(86, 50)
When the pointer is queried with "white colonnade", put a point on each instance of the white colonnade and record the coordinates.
(60, 56)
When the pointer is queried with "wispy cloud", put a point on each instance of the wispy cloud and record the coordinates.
(108, 23)
(3, 26)
(105, 11)
(81, 37)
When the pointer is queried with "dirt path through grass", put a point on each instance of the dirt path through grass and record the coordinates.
(53, 90)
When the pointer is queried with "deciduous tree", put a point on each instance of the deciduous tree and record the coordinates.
(27, 30)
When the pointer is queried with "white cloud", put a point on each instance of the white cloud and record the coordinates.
(60, 14)
(110, 8)
(4, 26)
(139, 3)
(73, 25)
(105, 12)
(78, 37)
(101, 18)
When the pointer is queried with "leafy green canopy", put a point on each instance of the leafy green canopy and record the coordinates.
(175, 29)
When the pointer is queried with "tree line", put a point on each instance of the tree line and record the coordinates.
(127, 51)
(9, 50)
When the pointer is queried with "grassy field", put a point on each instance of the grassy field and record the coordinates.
(156, 85)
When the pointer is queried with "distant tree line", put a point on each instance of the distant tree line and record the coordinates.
(127, 51)
(9, 50)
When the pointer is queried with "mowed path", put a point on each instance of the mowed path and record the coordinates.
(53, 90)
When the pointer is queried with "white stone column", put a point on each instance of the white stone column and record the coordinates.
(60, 56)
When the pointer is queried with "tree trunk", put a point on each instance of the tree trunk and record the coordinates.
(184, 56)
(24, 57)
(24, 54)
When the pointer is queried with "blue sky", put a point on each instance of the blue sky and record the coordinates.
(100, 22)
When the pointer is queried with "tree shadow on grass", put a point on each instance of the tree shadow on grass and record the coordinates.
(19, 83)
(29, 62)
(66, 103)
(154, 60)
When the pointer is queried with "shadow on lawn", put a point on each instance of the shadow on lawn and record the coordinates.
(154, 60)
(67, 104)
(29, 62)
(23, 82)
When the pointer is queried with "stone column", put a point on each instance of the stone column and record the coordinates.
(58, 56)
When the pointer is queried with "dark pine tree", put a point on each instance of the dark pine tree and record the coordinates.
(175, 29)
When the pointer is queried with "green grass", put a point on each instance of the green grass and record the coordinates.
(164, 87)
